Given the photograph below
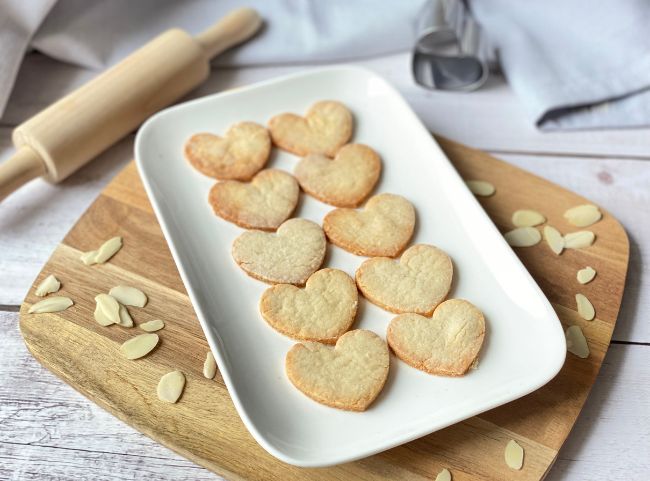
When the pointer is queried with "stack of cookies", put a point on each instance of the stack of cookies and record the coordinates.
(333, 364)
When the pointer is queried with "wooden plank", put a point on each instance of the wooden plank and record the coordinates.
(74, 346)
(492, 118)
(48, 430)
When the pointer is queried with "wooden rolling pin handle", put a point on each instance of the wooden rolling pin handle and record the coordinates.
(22, 167)
(231, 30)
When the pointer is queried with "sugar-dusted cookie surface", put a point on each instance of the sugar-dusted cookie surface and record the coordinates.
(324, 130)
(288, 256)
(238, 155)
(417, 282)
(263, 203)
(347, 376)
(445, 344)
(322, 311)
(382, 228)
(344, 181)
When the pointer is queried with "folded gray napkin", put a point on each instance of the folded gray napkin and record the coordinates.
(576, 64)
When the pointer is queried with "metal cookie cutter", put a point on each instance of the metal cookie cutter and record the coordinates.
(450, 53)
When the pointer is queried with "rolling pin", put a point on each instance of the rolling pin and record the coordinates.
(67, 134)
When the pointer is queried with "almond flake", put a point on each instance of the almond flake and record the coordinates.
(480, 187)
(576, 342)
(88, 258)
(51, 304)
(47, 286)
(583, 215)
(170, 386)
(579, 240)
(585, 308)
(152, 326)
(514, 455)
(586, 275)
(209, 366)
(523, 237)
(107, 250)
(554, 239)
(108, 309)
(129, 296)
(125, 318)
(444, 475)
(139, 346)
(527, 218)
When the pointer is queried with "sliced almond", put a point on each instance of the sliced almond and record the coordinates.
(139, 346)
(101, 318)
(586, 275)
(554, 239)
(152, 326)
(576, 343)
(125, 318)
(583, 215)
(49, 285)
(88, 258)
(129, 296)
(170, 386)
(523, 237)
(585, 308)
(108, 307)
(514, 455)
(444, 475)
(527, 218)
(480, 187)
(579, 240)
(209, 366)
(51, 304)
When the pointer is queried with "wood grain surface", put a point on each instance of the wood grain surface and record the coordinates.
(204, 426)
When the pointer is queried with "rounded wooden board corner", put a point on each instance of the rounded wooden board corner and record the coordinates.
(211, 434)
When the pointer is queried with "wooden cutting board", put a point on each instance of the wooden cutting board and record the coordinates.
(204, 425)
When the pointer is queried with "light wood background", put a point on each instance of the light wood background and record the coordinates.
(48, 430)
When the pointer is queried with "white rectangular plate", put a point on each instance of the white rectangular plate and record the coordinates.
(524, 346)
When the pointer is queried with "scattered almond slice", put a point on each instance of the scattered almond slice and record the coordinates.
(579, 240)
(514, 455)
(51, 304)
(583, 215)
(586, 275)
(139, 346)
(585, 308)
(444, 475)
(49, 285)
(108, 307)
(125, 318)
(554, 239)
(170, 386)
(527, 218)
(209, 366)
(101, 318)
(152, 326)
(480, 187)
(129, 296)
(523, 237)
(576, 342)
(107, 250)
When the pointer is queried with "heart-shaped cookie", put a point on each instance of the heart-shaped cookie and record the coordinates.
(288, 256)
(418, 282)
(263, 203)
(382, 228)
(344, 181)
(322, 311)
(324, 130)
(242, 152)
(347, 376)
(446, 344)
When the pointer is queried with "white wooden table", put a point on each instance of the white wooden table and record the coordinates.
(48, 431)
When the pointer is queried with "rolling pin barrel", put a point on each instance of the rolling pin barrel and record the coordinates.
(86, 122)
